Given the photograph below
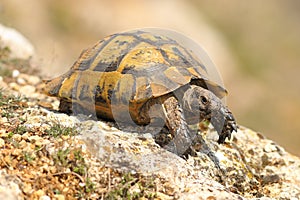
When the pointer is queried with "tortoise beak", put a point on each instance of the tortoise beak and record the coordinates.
(224, 123)
(228, 128)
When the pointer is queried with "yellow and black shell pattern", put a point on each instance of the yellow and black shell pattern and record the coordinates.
(125, 70)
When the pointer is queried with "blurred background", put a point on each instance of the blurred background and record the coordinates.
(256, 46)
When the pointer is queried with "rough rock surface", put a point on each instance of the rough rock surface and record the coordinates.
(250, 165)
(49, 155)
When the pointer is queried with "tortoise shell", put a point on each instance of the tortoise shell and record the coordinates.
(122, 72)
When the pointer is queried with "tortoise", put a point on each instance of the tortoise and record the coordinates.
(143, 78)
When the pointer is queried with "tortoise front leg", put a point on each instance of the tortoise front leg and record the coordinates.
(182, 135)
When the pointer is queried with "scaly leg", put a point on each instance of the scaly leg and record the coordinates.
(183, 136)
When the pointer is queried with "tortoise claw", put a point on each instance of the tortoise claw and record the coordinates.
(228, 128)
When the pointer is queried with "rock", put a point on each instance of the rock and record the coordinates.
(37, 140)
(6, 193)
(3, 85)
(15, 73)
(2, 143)
(17, 137)
(18, 45)
(14, 86)
(60, 197)
(248, 167)
(44, 198)
(21, 81)
(29, 79)
(9, 186)
(27, 89)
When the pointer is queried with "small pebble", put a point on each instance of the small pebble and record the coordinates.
(2, 143)
(25, 136)
(4, 119)
(14, 86)
(59, 197)
(36, 140)
(40, 193)
(220, 156)
(27, 89)
(21, 81)
(15, 73)
(16, 152)
(270, 147)
(45, 197)
(33, 80)
(17, 137)
(3, 85)
(23, 144)
(3, 133)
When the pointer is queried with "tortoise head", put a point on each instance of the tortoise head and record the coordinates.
(200, 104)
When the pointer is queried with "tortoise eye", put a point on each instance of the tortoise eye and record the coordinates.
(204, 100)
